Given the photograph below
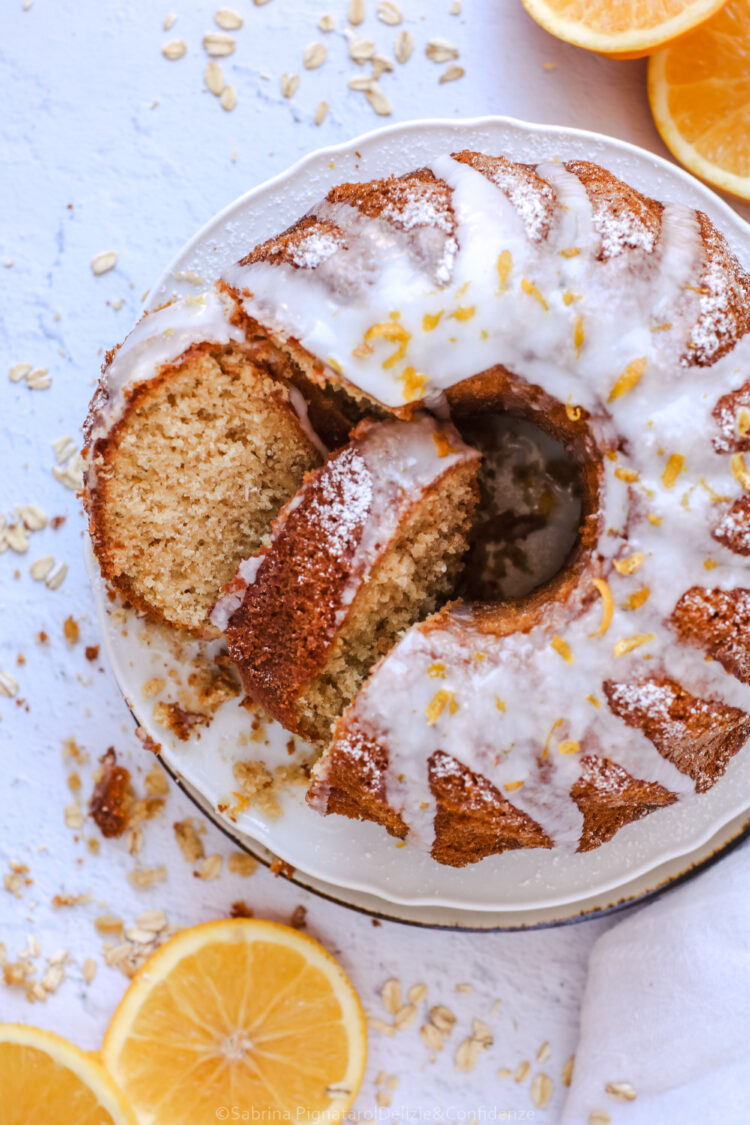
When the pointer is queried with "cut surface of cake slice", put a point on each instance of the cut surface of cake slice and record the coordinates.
(192, 448)
(371, 543)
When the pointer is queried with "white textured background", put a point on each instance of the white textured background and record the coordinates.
(106, 145)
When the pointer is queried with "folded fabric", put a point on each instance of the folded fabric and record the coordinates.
(665, 1022)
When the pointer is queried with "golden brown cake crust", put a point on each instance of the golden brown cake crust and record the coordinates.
(608, 798)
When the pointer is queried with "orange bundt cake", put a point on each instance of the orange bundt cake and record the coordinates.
(618, 323)
(192, 445)
(371, 543)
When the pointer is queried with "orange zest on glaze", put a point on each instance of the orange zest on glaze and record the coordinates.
(431, 320)
(499, 703)
(573, 412)
(673, 469)
(657, 521)
(414, 383)
(710, 564)
(639, 598)
(557, 723)
(440, 700)
(629, 379)
(511, 785)
(436, 671)
(442, 444)
(739, 468)
(593, 701)
(504, 267)
(627, 644)
(568, 746)
(608, 606)
(578, 336)
(530, 288)
(630, 564)
(629, 475)
(570, 252)
(465, 312)
(562, 648)
(390, 330)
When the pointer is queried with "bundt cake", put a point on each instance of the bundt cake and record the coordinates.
(372, 542)
(618, 323)
(192, 445)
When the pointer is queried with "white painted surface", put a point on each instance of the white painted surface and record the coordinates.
(88, 165)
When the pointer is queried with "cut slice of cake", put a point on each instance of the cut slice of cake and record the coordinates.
(192, 447)
(371, 543)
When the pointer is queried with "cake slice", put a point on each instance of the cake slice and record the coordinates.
(371, 543)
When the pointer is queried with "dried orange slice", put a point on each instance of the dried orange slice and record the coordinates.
(238, 1017)
(699, 91)
(44, 1078)
(623, 28)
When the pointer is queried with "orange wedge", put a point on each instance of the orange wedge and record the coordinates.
(699, 91)
(239, 1017)
(44, 1078)
(625, 29)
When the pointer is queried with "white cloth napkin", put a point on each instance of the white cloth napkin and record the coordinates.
(667, 1008)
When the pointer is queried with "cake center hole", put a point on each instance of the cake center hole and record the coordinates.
(528, 518)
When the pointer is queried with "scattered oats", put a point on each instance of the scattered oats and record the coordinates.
(64, 448)
(218, 44)
(89, 969)
(451, 73)
(170, 21)
(361, 82)
(504, 1072)
(39, 379)
(117, 305)
(567, 1071)
(260, 3)
(381, 65)
(541, 1090)
(326, 23)
(173, 50)
(108, 924)
(381, 1026)
(32, 516)
(623, 1091)
(53, 978)
(16, 538)
(321, 112)
(41, 567)
(13, 884)
(543, 1053)
(481, 1033)
(138, 936)
(405, 1016)
(361, 50)
(240, 863)
(36, 990)
(383, 1098)
(356, 12)
(147, 876)
(289, 84)
(153, 686)
(314, 55)
(19, 371)
(391, 1082)
(105, 261)
(455, 8)
(464, 987)
(73, 815)
(390, 13)
(54, 580)
(442, 1018)
(440, 50)
(495, 1008)
(189, 840)
(228, 98)
(228, 19)
(599, 1117)
(213, 76)
(467, 1055)
(27, 5)
(390, 995)
(210, 867)
(153, 921)
(416, 993)
(378, 100)
(71, 474)
(522, 1072)
(8, 263)
(403, 46)
(431, 1037)
(155, 783)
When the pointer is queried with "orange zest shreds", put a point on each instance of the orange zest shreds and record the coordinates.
(673, 469)
(630, 378)
(573, 412)
(562, 648)
(499, 703)
(657, 521)
(480, 656)
(390, 330)
(743, 421)
(608, 606)
(557, 723)
(462, 289)
(578, 336)
(629, 475)
(685, 499)
(510, 786)
(335, 365)
(395, 315)
(530, 288)
(466, 312)
(611, 454)
(716, 497)
(639, 598)
(414, 384)
(484, 334)
(504, 267)
(568, 746)
(570, 252)
(442, 444)
(630, 564)
(665, 327)
(440, 700)
(569, 297)
(436, 671)
(431, 320)
(593, 701)
(627, 644)
(362, 350)
(710, 564)
(739, 468)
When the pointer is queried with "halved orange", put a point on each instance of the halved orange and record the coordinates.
(626, 29)
(699, 91)
(44, 1078)
(238, 1017)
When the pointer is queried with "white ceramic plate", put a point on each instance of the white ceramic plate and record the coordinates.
(360, 860)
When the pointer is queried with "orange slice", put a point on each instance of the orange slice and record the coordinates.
(623, 28)
(241, 1013)
(699, 91)
(44, 1078)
